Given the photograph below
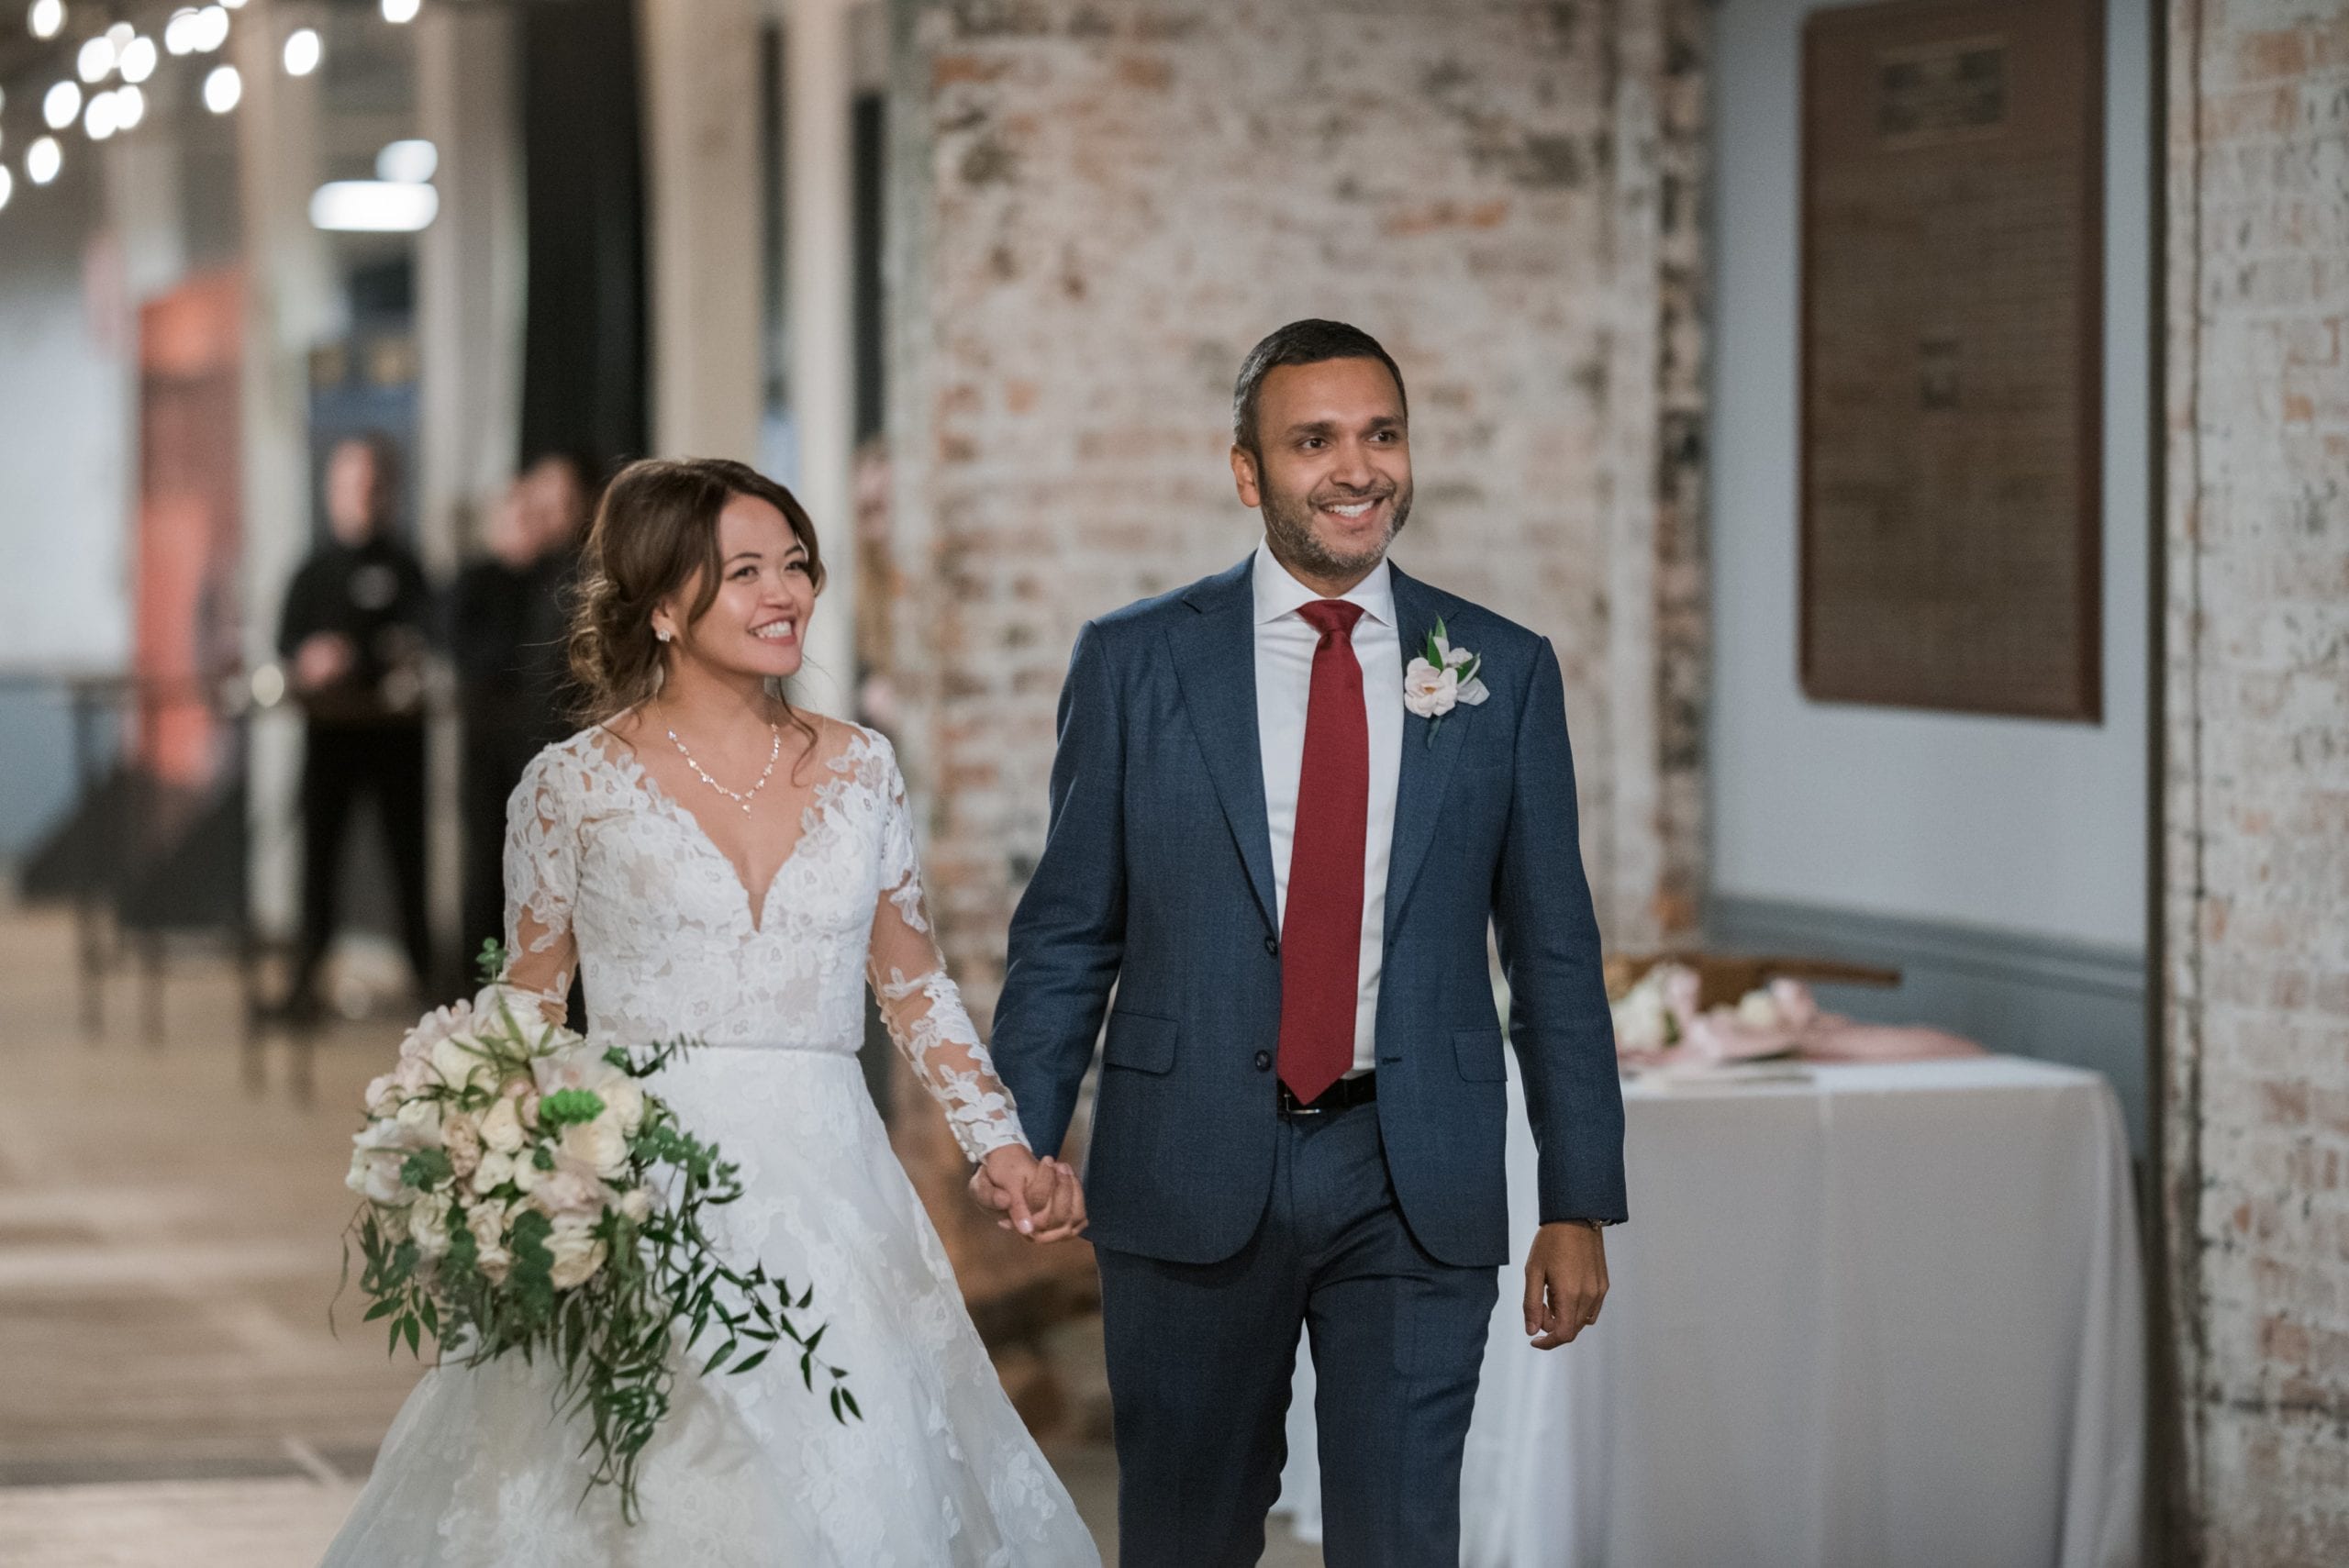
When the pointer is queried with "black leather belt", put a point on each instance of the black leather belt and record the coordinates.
(1342, 1095)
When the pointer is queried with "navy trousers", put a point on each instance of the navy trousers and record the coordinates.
(1201, 1357)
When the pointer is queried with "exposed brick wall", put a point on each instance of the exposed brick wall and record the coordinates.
(1100, 206)
(2257, 791)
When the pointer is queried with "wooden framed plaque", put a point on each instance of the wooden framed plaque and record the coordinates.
(1952, 343)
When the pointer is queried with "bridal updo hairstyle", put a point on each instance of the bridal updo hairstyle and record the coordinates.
(656, 527)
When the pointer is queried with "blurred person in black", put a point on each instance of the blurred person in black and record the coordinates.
(354, 636)
(509, 627)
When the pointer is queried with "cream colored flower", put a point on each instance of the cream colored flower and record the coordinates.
(427, 1224)
(624, 1099)
(497, 1169)
(461, 1064)
(383, 1096)
(637, 1204)
(1429, 690)
(460, 1136)
(487, 1223)
(501, 1125)
(1759, 1010)
(568, 1189)
(422, 1120)
(599, 1145)
(527, 1174)
(576, 1251)
(440, 1024)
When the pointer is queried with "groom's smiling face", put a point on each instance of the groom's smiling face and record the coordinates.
(1329, 468)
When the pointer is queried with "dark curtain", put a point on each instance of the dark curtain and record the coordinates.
(583, 338)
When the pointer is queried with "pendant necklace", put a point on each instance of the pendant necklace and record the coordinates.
(740, 796)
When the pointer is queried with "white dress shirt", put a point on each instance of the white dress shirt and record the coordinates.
(1285, 645)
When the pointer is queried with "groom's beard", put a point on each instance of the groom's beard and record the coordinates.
(1288, 522)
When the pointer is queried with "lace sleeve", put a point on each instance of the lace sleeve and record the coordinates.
(541, 882)
(920, 1003)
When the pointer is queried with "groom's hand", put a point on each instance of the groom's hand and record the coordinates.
(1039, 1199)
(1566, 1283)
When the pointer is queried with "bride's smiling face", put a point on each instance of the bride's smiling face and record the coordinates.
(758, 623)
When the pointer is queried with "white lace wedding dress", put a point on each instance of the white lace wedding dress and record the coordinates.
(603, 869)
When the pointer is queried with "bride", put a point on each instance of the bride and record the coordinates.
(721, 866)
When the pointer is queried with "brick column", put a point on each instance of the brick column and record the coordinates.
(2256, 793)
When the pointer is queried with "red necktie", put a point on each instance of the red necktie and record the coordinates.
(1321, 928)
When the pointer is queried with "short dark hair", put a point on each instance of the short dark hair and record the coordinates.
(1307, 342)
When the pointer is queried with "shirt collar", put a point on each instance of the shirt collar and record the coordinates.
(1278, 594)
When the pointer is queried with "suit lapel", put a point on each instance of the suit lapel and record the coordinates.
(1215, 663)
(1427, 767)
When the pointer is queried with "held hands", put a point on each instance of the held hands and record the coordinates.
(1039, 1199)
(1565, 1281)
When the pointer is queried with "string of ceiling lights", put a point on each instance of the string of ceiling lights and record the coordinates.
(101, 86)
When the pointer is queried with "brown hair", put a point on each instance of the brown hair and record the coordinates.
(654, 530)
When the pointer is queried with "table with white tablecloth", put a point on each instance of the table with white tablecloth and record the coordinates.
(1882, 1316)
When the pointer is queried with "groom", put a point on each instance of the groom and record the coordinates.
(1286, 875)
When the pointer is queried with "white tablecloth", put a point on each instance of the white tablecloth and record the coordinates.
(1889, 1318)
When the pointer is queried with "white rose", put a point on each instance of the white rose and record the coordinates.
(573, 1067)
(599, 1145)
(458, 1060)
(527, 1174)
(501, 1127)
(576, 1251)
(494, 1171)
(433, 1027)
(1429, 690)
(568, 1190)
(625, 1100)
(375, 1176)
(1758, 1010)
(422, 1120)
(637, 1204)
(383, 1096)
(487, 1222)
(1641, 1021)
(428, 1222)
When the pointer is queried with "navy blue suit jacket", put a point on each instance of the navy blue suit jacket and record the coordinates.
(1156, 880)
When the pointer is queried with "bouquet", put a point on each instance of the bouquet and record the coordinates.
(522, 1194)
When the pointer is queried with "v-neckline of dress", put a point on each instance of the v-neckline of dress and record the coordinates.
(813, 817)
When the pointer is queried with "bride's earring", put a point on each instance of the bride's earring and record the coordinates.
(664, 636)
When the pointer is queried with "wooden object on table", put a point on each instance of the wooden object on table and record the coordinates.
(1723, 979)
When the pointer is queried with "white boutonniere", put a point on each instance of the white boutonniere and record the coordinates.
(1442, 678)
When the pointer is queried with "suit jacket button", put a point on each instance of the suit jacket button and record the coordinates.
(1264, 1061)
(1272, 946)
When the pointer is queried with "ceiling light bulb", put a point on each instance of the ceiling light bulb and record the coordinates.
(399, 11)
(47, 18)
(302, 51)
(99, 121)
(129, 106)
(180, 32)
(373, 207)
(43, 158)
(211, 28)
(97, 60)
(136, 61)
(63, 107)
(222, 89)
(7, 186)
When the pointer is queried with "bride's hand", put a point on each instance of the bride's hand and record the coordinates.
(1039, 1199)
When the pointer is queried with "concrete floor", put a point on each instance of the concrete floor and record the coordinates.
(169, 1389)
